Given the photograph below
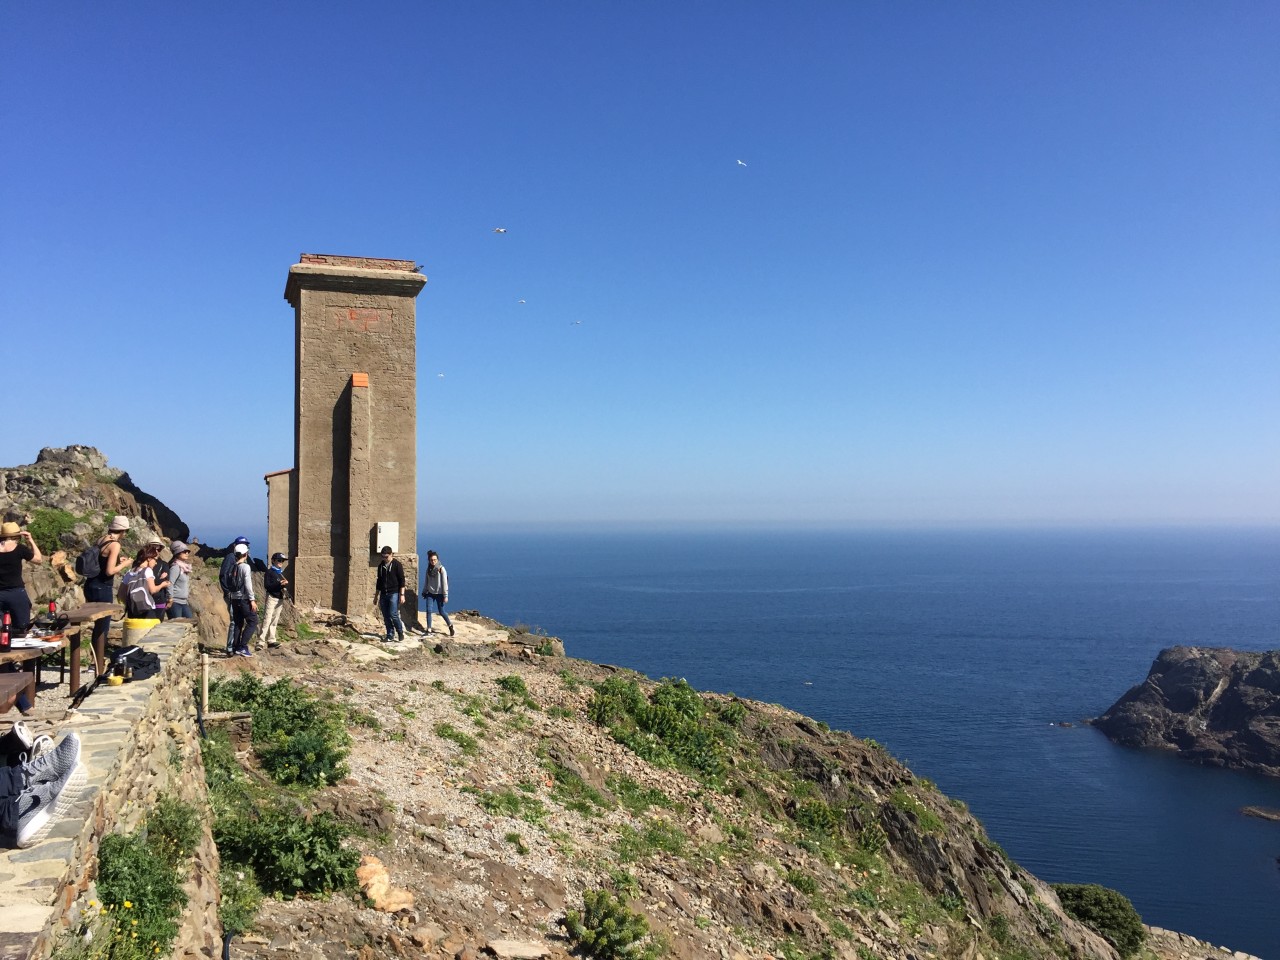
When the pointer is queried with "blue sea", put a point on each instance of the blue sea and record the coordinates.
(962, 653)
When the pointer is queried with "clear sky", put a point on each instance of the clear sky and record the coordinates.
(991, 262)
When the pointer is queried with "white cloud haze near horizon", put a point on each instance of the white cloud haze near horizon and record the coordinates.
(997, 264)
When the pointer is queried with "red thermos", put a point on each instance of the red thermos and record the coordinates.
(5, 643)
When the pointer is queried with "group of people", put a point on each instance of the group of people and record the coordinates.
(390, 588)
(236, 578)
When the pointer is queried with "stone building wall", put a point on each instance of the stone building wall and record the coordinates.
(355, 446)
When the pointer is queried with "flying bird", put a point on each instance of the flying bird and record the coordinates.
(441, 375)
(575, 323)
(519, 301)
(499, 229)
(742, 163)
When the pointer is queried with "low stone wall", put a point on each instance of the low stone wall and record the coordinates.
(138, 740)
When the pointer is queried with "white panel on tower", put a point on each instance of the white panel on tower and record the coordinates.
(388, 535)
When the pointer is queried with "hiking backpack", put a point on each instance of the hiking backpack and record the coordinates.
(89, 563)
(229, 575)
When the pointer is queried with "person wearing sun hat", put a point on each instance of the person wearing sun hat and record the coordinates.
(180, 580)
(13, 592)
(113, 560)
(161, 569)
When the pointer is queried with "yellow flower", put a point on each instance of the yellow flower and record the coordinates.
(128, 905)
(102, 912)
(133, 923)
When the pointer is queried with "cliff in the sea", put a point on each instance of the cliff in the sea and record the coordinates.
(500, 787)
(1212, 705)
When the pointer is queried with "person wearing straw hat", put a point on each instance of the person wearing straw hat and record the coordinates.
(13, 592)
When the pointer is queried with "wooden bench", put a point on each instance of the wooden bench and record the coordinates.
(13, 685)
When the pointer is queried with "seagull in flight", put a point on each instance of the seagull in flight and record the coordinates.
(519, 301)
(742, 163)
(575, 323)
(499, 229)
(441, 375)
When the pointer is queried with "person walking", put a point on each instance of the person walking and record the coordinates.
(390, 594)
(275, 583)
(435, 589)
(180, 580)
(14, 599)
(244, 605)
(101, 587)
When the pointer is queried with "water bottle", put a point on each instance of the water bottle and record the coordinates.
(5, 643)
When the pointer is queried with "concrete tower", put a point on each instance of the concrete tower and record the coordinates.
(353, 486)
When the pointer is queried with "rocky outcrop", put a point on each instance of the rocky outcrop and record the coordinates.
(76, 485)
(1213, 705)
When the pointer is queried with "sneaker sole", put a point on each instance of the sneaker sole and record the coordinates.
(43, 821)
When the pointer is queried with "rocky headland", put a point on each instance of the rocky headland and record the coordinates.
(494, 784)
(1212, 705)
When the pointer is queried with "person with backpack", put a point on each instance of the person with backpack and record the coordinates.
(14, 599)
(390, 594)
(138, 587)
(244, 605)
(99, 565)
(227, 581)
(161, 571)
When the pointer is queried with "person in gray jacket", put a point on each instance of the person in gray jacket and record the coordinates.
(180, 580)
(436, 589)
(244, 605)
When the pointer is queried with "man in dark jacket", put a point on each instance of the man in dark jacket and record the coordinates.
(391, 594)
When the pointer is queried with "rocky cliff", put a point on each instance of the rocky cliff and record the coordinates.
(1213, 705)
(738, 829)
(66, 499)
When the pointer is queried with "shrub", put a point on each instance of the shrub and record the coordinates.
(1105, 911)
(48, 525)
(241, 897)
(926, 819)
(816, 816)
(672, 727)
(299, 738)
(141, 891)
(173, 830)
(468, 744)
(607, 929)
(290, 854)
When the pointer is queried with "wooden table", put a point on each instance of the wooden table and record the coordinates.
(24, 655)
(76, 619)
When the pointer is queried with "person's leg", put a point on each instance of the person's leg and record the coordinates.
(384, 608)
(18, 605)
(394, 619)
(232, 631)
(447, 621)
(247, 628)
(96, 591)
(271, 621)
(179, 609)
(428, 598)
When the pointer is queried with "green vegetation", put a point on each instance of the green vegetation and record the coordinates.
(140, 882)
(305, 631)
(1105, 911)
(608, 929)
(289, 853)
(634, 797)
(657, 835)
(514, 693)
(47, 527)
(508, 803)
(241, 898)
(672, 727)
(467, 743)
(926, 819)
(298, 737)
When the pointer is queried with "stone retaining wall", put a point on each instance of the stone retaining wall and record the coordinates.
(138, 740)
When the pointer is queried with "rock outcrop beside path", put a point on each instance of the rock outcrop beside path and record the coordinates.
(1213, 705)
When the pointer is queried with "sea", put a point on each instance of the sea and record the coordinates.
(972, 656)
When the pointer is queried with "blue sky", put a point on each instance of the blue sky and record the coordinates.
(987, 263)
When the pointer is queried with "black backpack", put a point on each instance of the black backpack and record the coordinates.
(89, 563)
(229, 575)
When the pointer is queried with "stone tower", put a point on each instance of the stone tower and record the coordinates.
(353, 485)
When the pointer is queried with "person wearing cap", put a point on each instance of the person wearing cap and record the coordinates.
(244, 605)
(225, 575)
(390, 594)
(14, 599)
(275, 583)
(112, 560)
(161, 571)
(180, 580)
